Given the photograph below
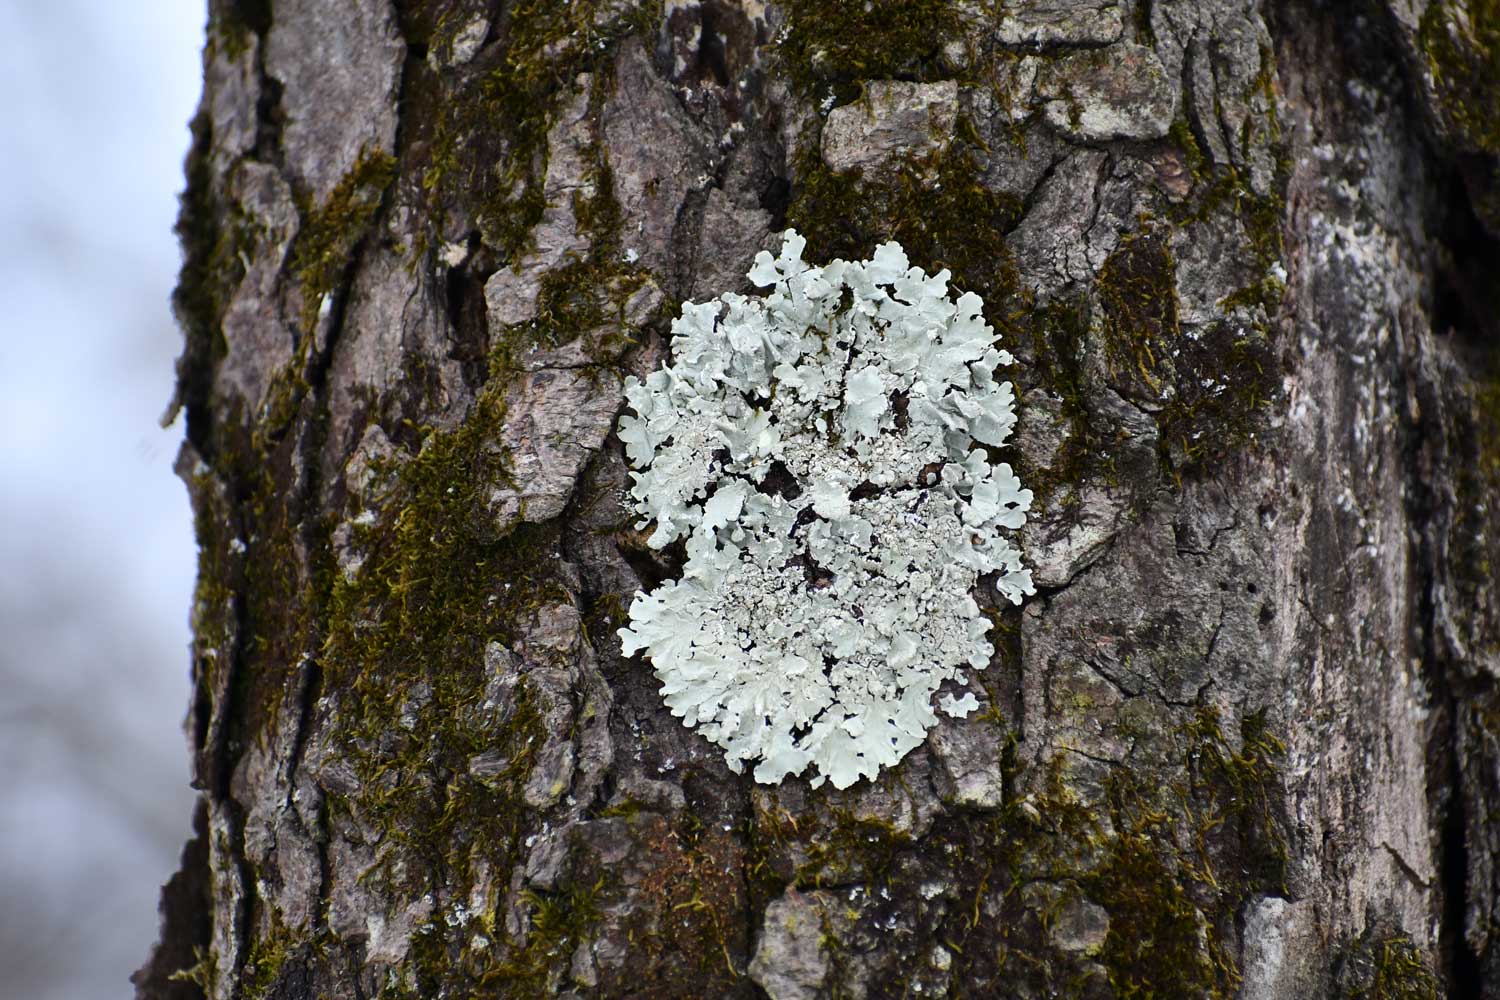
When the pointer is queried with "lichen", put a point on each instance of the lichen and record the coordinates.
(795, 438)
(936, 206)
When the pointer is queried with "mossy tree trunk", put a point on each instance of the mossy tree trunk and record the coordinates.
(1244, 741)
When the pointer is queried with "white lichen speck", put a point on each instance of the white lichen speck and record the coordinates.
(821, 450)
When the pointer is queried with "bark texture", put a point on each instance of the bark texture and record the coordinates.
(1245, 741)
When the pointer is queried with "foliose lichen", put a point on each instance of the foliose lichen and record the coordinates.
(821, 452)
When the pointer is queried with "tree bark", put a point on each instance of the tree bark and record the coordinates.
(1243, 741)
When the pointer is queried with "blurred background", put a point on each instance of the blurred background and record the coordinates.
(96, 547)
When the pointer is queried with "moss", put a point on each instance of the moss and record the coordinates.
(1486, 417)
(1208, 390)
(935, 206)
(405, 653)
(1226, 377)
(1172, 898)
(1160, 951)
(1140, 18)
(1384, 966)
(1181, 134)
(214, 616)
(1473, 448)
(215, 238)
(1137, 291)
(1242, 787)
(1057, 335)
(278, 956)
(233, 23)
(201, 973)
(1174, 849)
(829, 847)
(831, 45)
(436, 587)
(688, 940)
(330, 231)
(402, 644)
(1173, 853)
(1189, 857)
(437, 26)
(590, 290)
(488, 145)
(1461, 42)
(559, 920)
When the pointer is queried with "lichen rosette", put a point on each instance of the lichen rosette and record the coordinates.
(821, 451)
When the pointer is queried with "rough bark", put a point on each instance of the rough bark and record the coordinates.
(1243, 742)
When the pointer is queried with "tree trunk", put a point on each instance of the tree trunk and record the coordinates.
(1242, 742)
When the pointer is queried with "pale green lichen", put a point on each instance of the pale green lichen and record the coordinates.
(821, 451)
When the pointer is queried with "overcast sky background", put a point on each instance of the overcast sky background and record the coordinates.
(96, 540)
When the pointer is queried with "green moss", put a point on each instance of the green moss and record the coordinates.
(560, 920)
(488, 146)
(1461, 42)
(214, 597)
(233, 24)
(1140, 17)
(829, 847)
(215, 239)
(277, 952)
(1225, 379)
(1137, 291)
(1473, 447)
(1058, 333)
(935, 206)
(330, 231)
(402, 643)
(1384, 966)
(405, 653)
(1486, 419)
(201, 973)
(1176, 849)
(589, 291)
(1208, 390)
(686, 939)
(1189, 854)
(1157, 934)
(1182, 135)
(833, 44)
(437, 586)
(257, 600)
(1241, 788)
